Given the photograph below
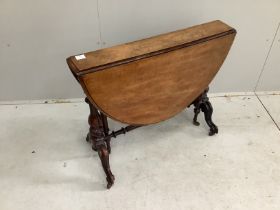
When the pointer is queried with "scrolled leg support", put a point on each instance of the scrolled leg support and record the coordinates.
(203, 104)
(104, 157)
(97, 131)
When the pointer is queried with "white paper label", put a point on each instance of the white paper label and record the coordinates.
(80, 57)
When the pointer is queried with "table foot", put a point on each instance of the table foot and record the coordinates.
(104, 157)
(208, 110)
(203, 104)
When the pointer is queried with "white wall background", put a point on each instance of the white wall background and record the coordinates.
(37, 36)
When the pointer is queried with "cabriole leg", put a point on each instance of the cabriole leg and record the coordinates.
(208, 110)
(97, 135)
(203, 104)
(104, 157)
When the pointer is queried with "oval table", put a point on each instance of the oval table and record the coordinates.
(150, 80)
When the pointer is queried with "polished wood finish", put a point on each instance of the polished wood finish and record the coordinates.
(150, 80)
(157, 88)
(132, 51)
(170, 73)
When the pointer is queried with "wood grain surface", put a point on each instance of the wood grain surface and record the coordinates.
(157, 86)
(132, 50)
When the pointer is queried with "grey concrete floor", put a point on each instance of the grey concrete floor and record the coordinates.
(45, 162)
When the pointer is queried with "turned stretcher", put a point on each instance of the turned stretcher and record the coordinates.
(151, 80)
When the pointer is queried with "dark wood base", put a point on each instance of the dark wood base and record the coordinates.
(100, 137)
(97, 132)
(203, 104)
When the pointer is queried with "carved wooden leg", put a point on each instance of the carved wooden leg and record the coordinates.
(97, 137)
(196, 112)
(202, 103)
(106, 131)
(104, 157)
(94, 125)
(208, 110)
(103, 154)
